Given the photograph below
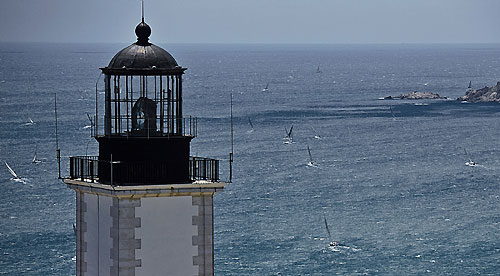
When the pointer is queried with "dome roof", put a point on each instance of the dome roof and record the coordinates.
(137, 56)
(142, 55)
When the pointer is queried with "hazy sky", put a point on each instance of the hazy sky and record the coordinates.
(253, 21)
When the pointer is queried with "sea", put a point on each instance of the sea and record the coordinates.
(389, 176)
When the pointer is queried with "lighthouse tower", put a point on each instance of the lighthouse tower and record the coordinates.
(144, 206)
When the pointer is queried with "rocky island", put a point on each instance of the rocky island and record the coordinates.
(486, 94)
(416, 95)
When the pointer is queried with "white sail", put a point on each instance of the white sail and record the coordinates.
(12, 172)
(333, 244)
(250, 122)
(266, 88)
(328, 231)
(35, 157)
(288, 138)
(311, 162)
(316, 134)
(310, 156)
(30, 122)
(470, 162)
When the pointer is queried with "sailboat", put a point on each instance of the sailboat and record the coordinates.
(392, 113)
(35, 158)
(332, 242)
(311, 162)
(316, 134)
(266, 88)
(30, 122)
(12, 172)
(251, 125)
(288, 138)
(318, 70)
(469, 163)
(15, 177)
(469, 88)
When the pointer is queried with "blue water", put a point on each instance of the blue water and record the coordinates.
(394, 189)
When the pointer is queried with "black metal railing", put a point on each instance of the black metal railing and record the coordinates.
(83, 167)
(201, 168)
(86, 168)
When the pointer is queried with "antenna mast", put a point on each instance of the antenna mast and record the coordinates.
(142, 11)
(232, 145)
(58, 151)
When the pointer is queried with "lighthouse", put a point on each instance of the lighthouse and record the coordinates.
(144, 206)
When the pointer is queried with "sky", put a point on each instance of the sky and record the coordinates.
(253, 21)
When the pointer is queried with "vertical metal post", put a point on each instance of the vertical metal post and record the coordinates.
(126, 104)
(107, 105)
(82, 169)
(179, 101)
(58, 151)
(162, 104)
(232, 144)
(91, 169)
(111, 165)
(71, 168)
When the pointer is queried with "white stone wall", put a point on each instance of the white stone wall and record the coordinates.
(95, 229)
(148, 232)
(166, 235)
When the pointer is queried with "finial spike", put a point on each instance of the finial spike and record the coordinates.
(142, 11)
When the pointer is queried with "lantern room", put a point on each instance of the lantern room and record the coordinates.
(143, 135)
(143, 91)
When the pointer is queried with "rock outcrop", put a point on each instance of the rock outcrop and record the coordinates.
(486, 94)
(416, 96)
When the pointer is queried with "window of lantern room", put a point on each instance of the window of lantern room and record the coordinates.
(145, 105)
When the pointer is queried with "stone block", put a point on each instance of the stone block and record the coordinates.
(205, 270)
(198, 260)
(208, 201)
(208, 219)
(205, 229)
(126, 223)
(130, 203)
(126, 271)
(197, 220)
(197, 200)
(127, 213)
(129, 244)
(206, 211)
(126, 234)
(113, 271)
(126, 255)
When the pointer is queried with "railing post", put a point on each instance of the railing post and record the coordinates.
(81, 168)
(205, 169)
(196, 168)
(91, 169)
(216, 170)
(71, 168)
(190, 169)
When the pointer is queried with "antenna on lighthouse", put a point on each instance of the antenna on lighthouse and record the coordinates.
(58, 151)
(142, 11)
(232, 145)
